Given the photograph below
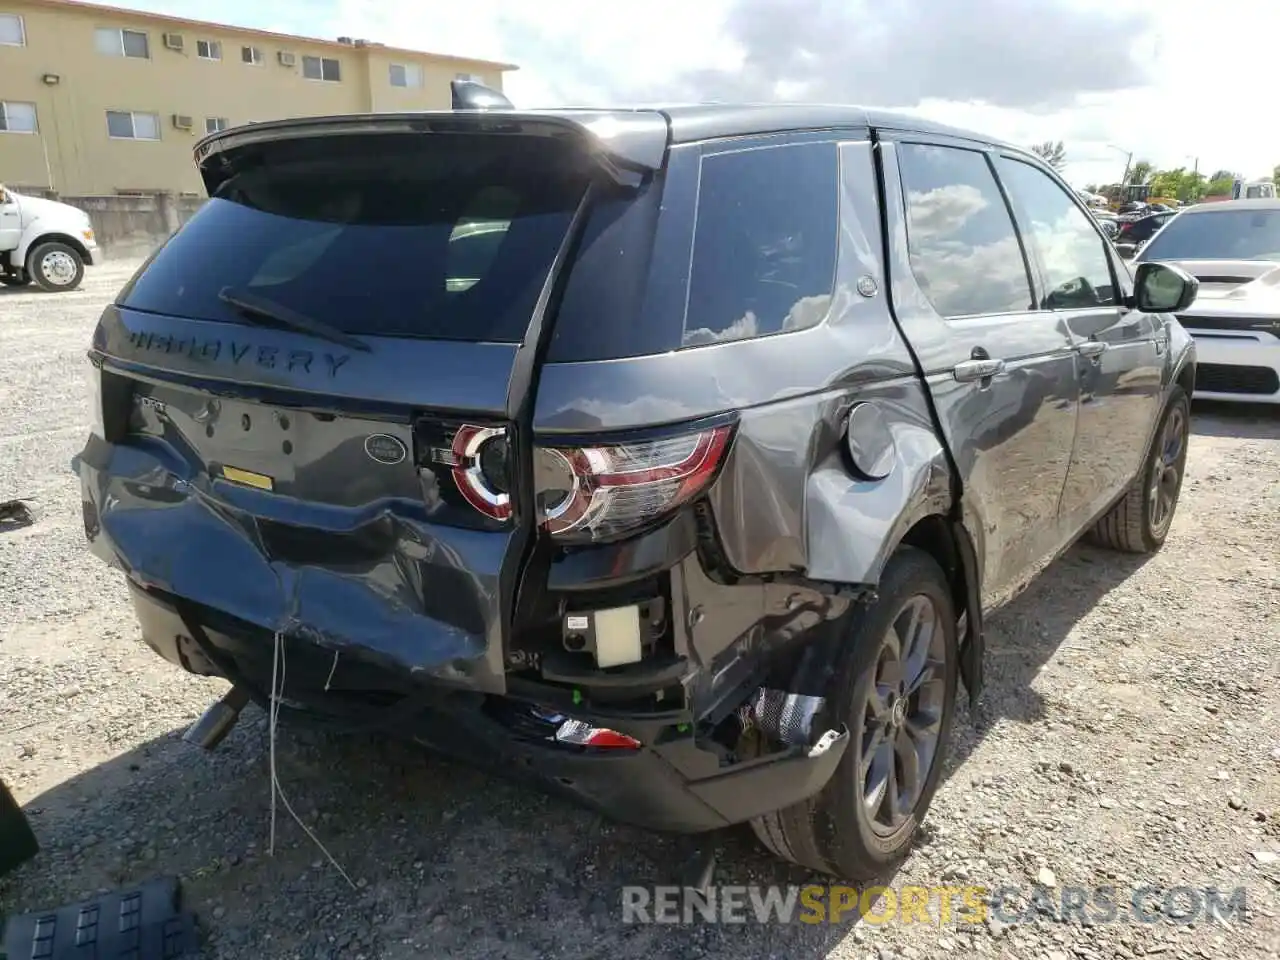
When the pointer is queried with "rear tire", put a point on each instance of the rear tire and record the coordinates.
(845, 830)
(55, 266)
(1140, 521)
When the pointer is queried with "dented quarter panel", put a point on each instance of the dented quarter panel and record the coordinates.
(854, 525)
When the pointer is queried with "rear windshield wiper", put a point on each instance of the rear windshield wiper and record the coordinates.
(254, 305)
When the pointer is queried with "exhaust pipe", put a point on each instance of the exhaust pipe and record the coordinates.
(216, 722)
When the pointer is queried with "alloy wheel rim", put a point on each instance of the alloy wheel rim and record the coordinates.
(1166, 471)
(902, 716)
(58, 267)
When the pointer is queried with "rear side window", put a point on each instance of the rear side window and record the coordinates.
(765, 239)
(434, 236)
(964, 251)
(721, 246)
(1077, 269)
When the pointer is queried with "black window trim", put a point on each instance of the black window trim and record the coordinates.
(749, 144)
(986, 151)
(1020, 216)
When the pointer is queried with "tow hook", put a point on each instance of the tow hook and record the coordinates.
(215, 723)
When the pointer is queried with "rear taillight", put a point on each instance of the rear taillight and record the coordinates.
(599, 492)
(590, 493)
(480, 469)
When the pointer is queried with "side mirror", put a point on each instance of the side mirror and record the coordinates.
(1163, 288)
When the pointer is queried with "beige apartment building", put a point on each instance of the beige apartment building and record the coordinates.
(95, 100)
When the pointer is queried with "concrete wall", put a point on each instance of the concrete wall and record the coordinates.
(73, 84)
(134, 226)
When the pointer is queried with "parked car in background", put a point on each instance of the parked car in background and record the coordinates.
(43, 242)
(1139, 230)
(682, 499)
(1107, 220)
(1233, 249)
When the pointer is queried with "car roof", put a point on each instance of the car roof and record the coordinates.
(1227, 206)
(705, 121)
(655, 124)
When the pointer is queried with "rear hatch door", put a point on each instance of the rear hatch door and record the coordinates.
(322, 368)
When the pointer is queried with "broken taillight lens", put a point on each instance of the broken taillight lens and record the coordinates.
(590, 493)
(599, 492)
(582, 734)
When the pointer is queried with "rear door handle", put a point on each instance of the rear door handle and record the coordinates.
(977, 369)
(1091, 348)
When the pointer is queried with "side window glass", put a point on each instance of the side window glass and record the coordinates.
(764, 249)
(964, 250)
(1077, 270)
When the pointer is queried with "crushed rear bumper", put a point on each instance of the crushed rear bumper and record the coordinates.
(669, 784)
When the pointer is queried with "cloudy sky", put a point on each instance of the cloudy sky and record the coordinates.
(1173, 81)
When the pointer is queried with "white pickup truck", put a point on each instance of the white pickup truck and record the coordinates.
(43, 242)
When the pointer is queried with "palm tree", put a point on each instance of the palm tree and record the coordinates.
(1053, 153)
(1141, 172)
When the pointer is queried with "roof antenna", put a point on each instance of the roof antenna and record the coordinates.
(469, 95)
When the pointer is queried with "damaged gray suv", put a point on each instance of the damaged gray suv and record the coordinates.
(667, 457)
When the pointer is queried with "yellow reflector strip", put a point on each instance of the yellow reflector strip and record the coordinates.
(248, 478)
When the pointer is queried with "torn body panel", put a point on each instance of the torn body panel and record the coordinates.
(351, 579)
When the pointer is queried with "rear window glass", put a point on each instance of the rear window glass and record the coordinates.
(764, 251)
(440, 237)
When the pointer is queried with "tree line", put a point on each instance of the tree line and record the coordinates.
(1179, 182)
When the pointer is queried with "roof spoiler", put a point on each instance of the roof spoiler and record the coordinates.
(469, 95)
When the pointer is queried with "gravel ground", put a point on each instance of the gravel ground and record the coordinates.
(1129, 736)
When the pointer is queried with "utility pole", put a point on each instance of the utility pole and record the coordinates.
(1128, 163)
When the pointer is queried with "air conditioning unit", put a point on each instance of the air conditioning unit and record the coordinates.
(182, 122)
(173, 41)
(286, 58)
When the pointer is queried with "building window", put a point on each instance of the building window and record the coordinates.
(123, 43)
(321, 68)
(12, 32)
(406, 75)
(17, 117)
(209, 49)
(215, 124)
(251, 55)
(472, 77)
(127, 125)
